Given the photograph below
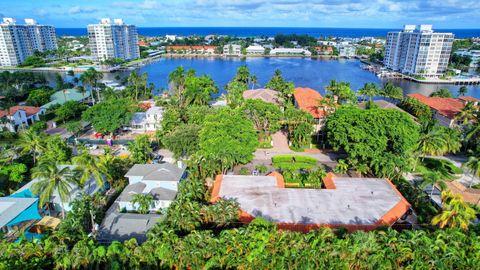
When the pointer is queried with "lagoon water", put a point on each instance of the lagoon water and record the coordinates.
(303, 72)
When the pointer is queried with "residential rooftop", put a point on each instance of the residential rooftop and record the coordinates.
(354, 203)
(448, 107)
(267, 95)
(29, 110)
(63, 96)
(12, 207)
(307, 99)
(154, 172)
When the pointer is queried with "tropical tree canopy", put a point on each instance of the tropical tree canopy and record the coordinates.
(140, 149)
(110, 115)
(265, 116)
(183, 140)
(382, 139)
(227, 138)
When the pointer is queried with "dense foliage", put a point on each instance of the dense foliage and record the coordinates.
(381, 139)
(110, 115)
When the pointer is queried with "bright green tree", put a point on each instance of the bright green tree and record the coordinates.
(140, 149)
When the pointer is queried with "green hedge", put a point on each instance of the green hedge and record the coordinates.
(279, 159)
(293, 166)
(290, 158)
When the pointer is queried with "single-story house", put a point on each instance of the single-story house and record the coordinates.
(351, 203)
(63, 96)
(18, 116)
(255, 50)
(159, 180)
(90, 188)
(445, 109)
(267, 95)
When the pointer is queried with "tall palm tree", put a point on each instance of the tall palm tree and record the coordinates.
(455, 212)
(31, 142)
(391, 91)
(105, 165)
(467, 114)
(433, 179)
(90, 78)
(432, 140)
(254, 81)
(462, 91)
(135, 80)
(88, 166)
(52, 178)
(370, 90)
(473, 165)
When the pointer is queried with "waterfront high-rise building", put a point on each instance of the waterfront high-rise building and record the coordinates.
(109, 40)
(417, 50)
(17, 42)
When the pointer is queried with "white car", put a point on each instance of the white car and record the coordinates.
(91, 146)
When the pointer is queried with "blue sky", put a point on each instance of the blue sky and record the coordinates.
(291, 13)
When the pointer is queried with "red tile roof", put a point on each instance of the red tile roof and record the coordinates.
(468, 98)
(143, 43)
(447, 107)
(29, 110)
(307, 99)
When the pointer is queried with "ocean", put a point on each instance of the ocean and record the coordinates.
(267, 31)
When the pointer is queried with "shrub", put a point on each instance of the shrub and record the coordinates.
(278, 159)
(305, 159)
(244, 171)
(261, 168)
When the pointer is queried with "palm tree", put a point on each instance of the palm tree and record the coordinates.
(90, 78)
(455, 212)
(144, 202)
(52, 178)
(87, 166)
(370, 90)
(462, 90)
(467, 114)
(473, 165)
(135, 80)
(391, 91)
(432, 139)
(432, 179)
(253, 80)
(31, 142)
(105, 165)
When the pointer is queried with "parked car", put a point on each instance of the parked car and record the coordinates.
(91, 146)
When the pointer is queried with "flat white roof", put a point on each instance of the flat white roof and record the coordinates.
(355, 201)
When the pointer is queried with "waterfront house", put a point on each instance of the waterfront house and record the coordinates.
(255, 50)
(351, 203)
(445, 109)
(158, 180)
(324, 50)
(346, 51)
(473, 54)
(308, 100)
(232, 50)
(209, 50)
(20, 116)
(290, 51)
(90, 188)
(62, 96)
(267, 95)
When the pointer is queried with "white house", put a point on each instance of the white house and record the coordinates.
(158, 180)
(147, 121)
(285, 51)
(255, 50)
(346, 51)
(232, 49)
(18, 116)
(89, 188)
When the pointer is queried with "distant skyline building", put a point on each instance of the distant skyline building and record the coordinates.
(17, 42)
(109, 40)
(417, 50)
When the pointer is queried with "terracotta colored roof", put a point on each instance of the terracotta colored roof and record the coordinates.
(266, 95)
(143, 43)
(447, 107)
(29, 110)
(307, 99)
(468, 98)
(469, 195)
